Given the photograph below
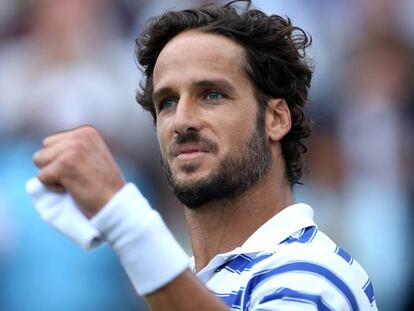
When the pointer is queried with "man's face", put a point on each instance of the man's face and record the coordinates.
(211, 134)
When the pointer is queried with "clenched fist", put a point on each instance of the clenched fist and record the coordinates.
(78, 161)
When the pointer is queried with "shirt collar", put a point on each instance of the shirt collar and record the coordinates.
(277, 229)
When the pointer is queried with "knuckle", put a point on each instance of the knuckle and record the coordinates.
(89, 131)
(46, 141)
(47, 176)
(85, 134)
(69, 160)
(37, 157)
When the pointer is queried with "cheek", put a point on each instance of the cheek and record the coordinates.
(235, 138)
(162, 140)
(241, 127)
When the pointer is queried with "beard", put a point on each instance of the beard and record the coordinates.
(235, 173)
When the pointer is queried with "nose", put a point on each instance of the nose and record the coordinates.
(187, 116)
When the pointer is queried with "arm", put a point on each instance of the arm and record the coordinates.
(79, 162)
(185, 292)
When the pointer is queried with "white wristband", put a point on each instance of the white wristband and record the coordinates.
(59, 210)
(148, 251)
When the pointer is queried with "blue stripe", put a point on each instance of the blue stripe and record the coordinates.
(296, 296)
(241, 263)
(306, 236)
(233, 300)
(298, 267)
(369, 291)
(230, 299)
(348, 258)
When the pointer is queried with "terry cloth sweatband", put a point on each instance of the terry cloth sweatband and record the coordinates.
(148, 251)
(60, 212)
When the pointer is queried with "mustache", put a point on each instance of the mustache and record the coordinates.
(194, 138)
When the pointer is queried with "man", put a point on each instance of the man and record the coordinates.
(226, 90)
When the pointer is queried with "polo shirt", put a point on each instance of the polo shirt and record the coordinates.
(288, 264)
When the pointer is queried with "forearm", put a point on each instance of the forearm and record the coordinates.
(185, 292)
(152, 258)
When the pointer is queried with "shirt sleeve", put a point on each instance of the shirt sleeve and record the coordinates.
(305, 280)
(299, 286)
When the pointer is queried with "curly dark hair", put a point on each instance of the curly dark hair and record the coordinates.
(275, 62)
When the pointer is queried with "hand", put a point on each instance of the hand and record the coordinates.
(78, 161)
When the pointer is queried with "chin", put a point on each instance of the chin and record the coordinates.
(191, 170)
(189, 179)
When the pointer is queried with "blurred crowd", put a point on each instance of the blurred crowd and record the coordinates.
(68, 63)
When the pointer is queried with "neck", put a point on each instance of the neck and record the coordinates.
(221, 226)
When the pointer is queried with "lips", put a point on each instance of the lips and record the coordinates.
(191, 146)
(189, 149)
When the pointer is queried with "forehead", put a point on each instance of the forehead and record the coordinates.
(194, 55)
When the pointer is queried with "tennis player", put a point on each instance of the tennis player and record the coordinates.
(227, 89)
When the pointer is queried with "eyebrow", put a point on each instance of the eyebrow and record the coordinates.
(219, 84)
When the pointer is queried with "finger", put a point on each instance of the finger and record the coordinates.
(52, 139)
(50, 177)
(47, 155)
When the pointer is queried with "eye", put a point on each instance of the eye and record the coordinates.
(214, 95)
(167, 103)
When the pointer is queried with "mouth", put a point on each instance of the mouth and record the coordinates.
(190, 152)
(190, 155)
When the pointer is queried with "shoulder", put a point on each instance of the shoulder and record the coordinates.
(311, 270)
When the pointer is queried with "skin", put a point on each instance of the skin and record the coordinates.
(199, 85)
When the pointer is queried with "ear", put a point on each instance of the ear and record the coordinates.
(278, 119)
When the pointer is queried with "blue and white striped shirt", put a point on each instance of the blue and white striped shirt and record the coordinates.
(288, 264)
